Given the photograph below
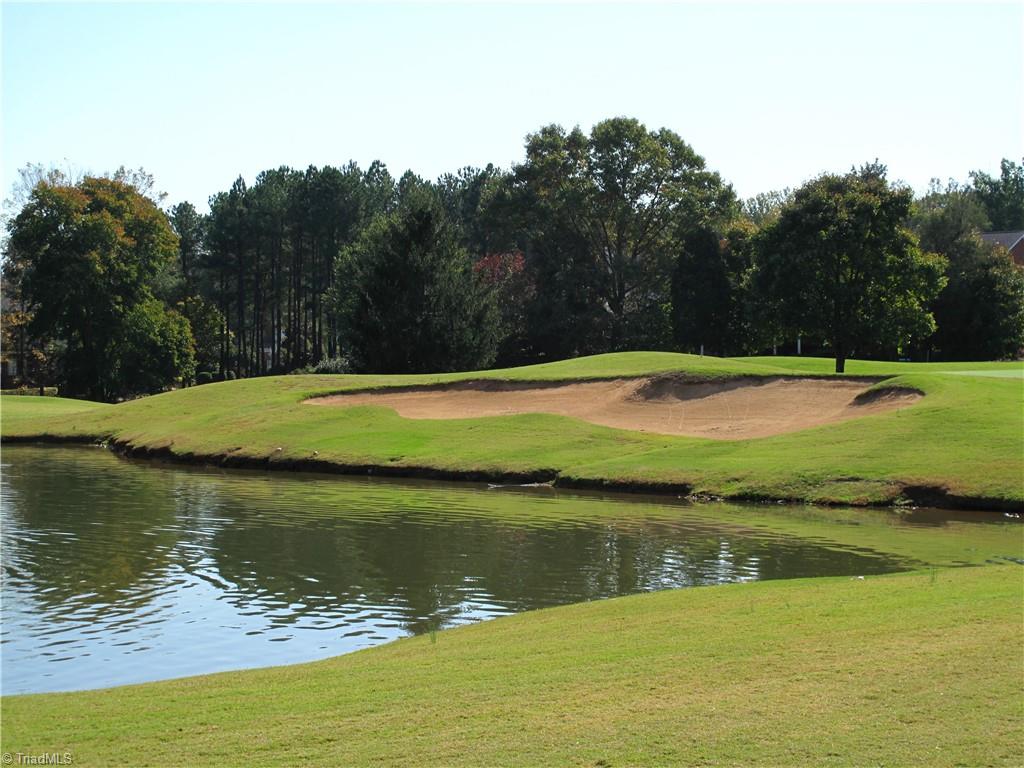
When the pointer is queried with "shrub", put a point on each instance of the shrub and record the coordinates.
(204, 377)
(30, 391)
(340, 364)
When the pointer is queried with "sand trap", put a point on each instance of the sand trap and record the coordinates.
(736, 409)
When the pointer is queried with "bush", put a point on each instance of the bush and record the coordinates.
(340, 364)
(229, 375)
(29, 391)
(204, 377)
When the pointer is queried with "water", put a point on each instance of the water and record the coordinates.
(117, 571)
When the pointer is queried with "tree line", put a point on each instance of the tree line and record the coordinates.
(618, 239)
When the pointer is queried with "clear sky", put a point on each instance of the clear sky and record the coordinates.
(770, 94)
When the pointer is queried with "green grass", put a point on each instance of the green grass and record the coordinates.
(22, 412)
(965, 437)
(908, 669)
(822, 365)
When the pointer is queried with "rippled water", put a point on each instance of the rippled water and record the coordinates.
(117, 571)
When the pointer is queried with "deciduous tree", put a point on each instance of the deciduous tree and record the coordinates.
(85, 257)
(618, 198)
(840, 264)
(1003, 197)
(979, 315)
(710, 296)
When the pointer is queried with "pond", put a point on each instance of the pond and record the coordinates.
(119, 571)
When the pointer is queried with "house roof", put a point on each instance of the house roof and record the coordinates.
(1005, 239)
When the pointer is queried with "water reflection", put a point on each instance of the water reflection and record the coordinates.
(118, 571)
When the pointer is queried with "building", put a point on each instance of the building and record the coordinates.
(1011, 241)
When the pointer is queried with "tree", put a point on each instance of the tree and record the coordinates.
(269, 260)
(563, 317)
(980, 313)
(229, 246)
(84, 257)
(465, 196)
(839, 264)
(154, 347)
(609, 206)
(948, 219)
(709, 290)
(1003, 198)
(189, 226)
(207, 327)
(36, 359)
(764, 207)
(505, 273)
(407, 298)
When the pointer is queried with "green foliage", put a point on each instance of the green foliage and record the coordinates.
(190, 227)
(710, 298)
(208, 330)
(765, 207)
(465, 196)
(597, 217)
(506, 274)
(839, 264)
(155, 347)
(407, 299)
(1003, 197)
(613, 230)
(269, 262)
(980, 313)
(86, 258)
(948, 220)
(204, 377)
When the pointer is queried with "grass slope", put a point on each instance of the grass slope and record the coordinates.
(966, 437)
(910, 669)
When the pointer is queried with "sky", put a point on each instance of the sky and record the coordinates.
(770, 94)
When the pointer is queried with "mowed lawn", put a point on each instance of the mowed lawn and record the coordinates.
(909, 669)
(964, 438)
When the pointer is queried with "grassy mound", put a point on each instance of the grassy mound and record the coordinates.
(962, 444)
(910, 669)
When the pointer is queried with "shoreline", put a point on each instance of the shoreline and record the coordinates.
(908, 494)
(958, 445)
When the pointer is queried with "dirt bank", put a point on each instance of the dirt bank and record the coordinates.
(734, 409)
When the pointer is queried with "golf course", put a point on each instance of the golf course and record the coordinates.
(612, 385)
(920, 667)
(761, 429)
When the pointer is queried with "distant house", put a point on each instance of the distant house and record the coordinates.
(1011, 241)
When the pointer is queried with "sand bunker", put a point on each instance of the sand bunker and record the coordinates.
(735, 409)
